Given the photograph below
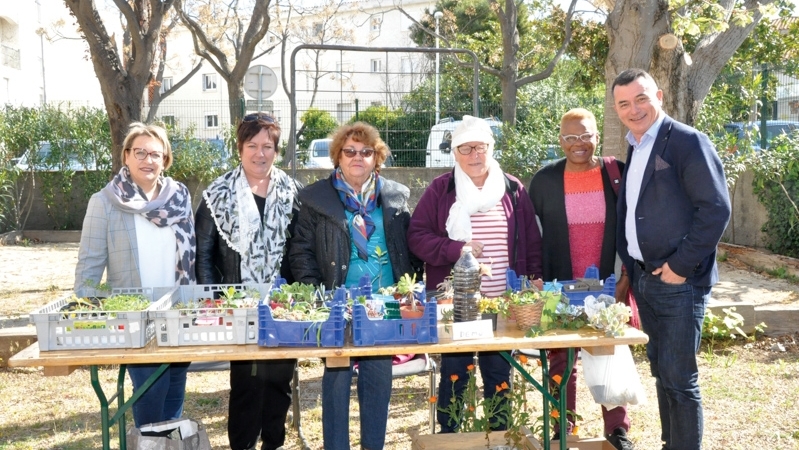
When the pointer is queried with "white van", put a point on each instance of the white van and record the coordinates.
(439, 151)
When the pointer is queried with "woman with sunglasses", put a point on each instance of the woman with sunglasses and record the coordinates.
(479, 206)
(342, 222)
(139, 230)
(243, 224)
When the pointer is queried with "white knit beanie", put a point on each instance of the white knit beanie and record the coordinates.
(473, 129)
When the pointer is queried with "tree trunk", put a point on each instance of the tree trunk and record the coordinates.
(235, 92)
(509, 73)
(123, 109)
(633, 28)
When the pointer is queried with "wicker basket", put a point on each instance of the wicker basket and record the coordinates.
(527, 316)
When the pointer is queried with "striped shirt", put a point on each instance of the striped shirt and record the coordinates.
(585, 214)
(491, 228)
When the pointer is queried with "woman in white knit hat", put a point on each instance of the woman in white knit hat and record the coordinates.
(480, 206)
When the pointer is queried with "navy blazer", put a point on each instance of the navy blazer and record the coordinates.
(683, 207)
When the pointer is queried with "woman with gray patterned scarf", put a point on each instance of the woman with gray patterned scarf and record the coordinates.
(243, 225)
(140, 231)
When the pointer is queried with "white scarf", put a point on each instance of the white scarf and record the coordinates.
(470, 199)
(236, 217)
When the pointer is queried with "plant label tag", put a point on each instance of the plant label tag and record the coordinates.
(476, 329)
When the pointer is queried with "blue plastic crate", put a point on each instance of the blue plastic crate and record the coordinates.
(367, 332)
(577, 298)
(514, 283)
(284, 333)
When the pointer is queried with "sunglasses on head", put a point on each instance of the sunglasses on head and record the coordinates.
(258, 116)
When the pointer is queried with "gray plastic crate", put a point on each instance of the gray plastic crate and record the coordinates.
(92, 330)
(203, 325)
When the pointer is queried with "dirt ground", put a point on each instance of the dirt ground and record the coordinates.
(35, 274)
(760, 406)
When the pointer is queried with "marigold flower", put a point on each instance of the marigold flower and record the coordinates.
(504, 385)
(453, 378)
(523, 359)
(575, 430)
(555, 414)
(557, 378)
(470, 367)
(433, 399)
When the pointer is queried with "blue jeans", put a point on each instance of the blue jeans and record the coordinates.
(493, 368)
(672, 315)
(374, 394)
(164, 399)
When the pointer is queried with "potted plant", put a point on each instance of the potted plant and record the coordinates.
(489, 308)
(407, 288)
(527, 306)
(446, 291)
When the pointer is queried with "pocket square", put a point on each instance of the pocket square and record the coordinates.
(661, 163)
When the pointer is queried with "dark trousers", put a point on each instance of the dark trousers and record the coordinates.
(494, 369)
(672, 316)
(260, 397)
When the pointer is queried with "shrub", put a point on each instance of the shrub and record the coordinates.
(776, 185)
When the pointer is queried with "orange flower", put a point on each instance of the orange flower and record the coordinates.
(538, 361)
(557, 378)
(453, 377)
(575, 430)
(555, 414)
(523, 359)
(471, 408)
(499, 388)
(504, 385)
(470, 367)
(433, 399)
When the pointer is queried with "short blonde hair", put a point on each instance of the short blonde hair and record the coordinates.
(156, 132)
(578, 114)
(359, 132)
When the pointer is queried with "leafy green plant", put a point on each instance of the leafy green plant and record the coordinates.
(722, 327)
(407, 287)
(776, 185)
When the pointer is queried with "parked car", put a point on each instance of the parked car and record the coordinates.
(318, 154)
(439, 143)
(751, 131)
(48, 161)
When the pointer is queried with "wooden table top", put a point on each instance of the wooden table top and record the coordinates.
(507, 337)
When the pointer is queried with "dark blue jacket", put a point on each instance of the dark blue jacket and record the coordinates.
(683, 208)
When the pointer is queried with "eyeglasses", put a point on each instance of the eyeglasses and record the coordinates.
(258, 116)
(467, 149)
(366, 152)
(141, 154)
(572, 138)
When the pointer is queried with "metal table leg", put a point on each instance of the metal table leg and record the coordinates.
(123, 406)
(548, 398)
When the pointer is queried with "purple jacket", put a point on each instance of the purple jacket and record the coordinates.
(427, 233)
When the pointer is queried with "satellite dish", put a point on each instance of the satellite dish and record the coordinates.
(260, 82)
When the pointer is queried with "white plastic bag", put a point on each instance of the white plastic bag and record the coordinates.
(613, 379)
(176, 434)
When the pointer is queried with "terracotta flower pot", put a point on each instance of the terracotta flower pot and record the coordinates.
(408, 313)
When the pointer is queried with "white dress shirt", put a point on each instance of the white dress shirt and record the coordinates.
(635, 177)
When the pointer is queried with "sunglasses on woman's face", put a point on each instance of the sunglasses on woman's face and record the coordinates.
(258, 116)
(366, 152)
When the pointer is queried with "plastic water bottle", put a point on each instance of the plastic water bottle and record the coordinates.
(466, 286)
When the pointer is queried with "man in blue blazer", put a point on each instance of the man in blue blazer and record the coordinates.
(673, 208)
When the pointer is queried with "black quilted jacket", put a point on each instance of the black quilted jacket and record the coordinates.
(320, 247)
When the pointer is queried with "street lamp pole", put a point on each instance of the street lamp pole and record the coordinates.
(437, 15)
